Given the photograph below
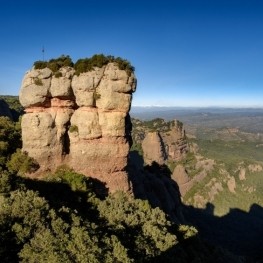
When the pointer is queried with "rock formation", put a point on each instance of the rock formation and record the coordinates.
(181, 177)
(153, 148)
(175, 142)
(160, 140)
(79, 120)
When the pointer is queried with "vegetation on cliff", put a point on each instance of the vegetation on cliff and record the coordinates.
(85, 64)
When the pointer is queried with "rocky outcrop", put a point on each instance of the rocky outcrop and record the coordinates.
(174, 141)
(161, 140)
(81, 121)
(153, 148)
(153, 183)
(185, 181)
(181, 177)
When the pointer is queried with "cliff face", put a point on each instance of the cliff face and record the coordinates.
(81, 121)
(160, 140)
(153, 148)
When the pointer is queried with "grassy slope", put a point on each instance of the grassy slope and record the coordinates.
(229, 155)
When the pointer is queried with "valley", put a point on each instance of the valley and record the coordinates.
(202, 168)
(221, 176)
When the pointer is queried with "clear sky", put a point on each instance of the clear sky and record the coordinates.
(186, 53)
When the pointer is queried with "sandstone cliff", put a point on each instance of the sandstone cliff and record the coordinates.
(160, 140)
(79, 120)
(153, 148)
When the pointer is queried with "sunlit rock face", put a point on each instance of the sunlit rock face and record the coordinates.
(161, 146)
(82, 121)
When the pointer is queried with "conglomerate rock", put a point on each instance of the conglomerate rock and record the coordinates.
(82, 121)
(168, 145)
(153, 149)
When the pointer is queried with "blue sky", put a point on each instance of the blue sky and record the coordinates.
(186, 53)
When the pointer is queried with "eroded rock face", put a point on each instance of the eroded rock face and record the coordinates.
(153, 148)
(81, 121)
(170, 144)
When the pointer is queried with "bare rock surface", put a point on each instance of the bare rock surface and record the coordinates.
(242, 174)
(81, 121)
(231, 184)
(153, 150)
(181, 177)
(161, 140)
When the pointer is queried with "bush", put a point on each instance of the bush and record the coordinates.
(38, 82)
(10, 139)
(84, 65)
(73, 128)
(96, 96)
(5, 182)
(55, 64)
(40, 64)
(66, 175)
(99, 60)
(58, 74)
(21, 163)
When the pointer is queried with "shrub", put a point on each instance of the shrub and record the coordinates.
(99, 60)
(21, 163)
(73, 128)
(55, 64)
(38, 82)
(96, 96)
(10, 139)
(58, 74)
(5, 182)
(84, 65)
(40, 64)
(66, 175)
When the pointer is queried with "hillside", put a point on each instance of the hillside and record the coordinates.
(10, 107)
(72, 218)
(221, 179)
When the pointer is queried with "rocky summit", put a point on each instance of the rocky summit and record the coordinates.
(81, 120)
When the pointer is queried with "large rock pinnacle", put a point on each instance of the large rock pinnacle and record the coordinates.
(79, 120)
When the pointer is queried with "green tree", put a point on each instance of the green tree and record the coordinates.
(10, 139)
(21, 163)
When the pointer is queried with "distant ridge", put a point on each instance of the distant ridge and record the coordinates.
(150, 112)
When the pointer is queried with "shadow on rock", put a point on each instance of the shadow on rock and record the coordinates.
(153, 183)
(238, 231)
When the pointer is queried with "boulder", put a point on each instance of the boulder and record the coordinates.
(35, 88)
